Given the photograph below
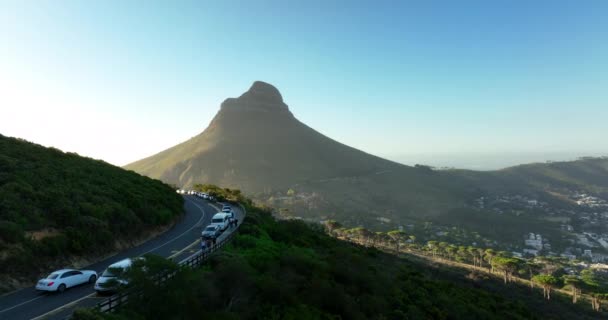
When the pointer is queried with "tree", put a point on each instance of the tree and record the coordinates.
(550, 264)
(592, 283)
(363, 235)
(443, 246)
(462, 254)
(331, 225)
(397, 237)
(451, 251)
(546, 281)
(533, 268)
(476, 255)
(575, 284)
(433, 246)
(488, 256)
(507, 265)
(291, 192)
(381, 239)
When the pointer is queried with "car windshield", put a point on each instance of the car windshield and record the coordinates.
(108, 274)
(53, 276)
(112, 272)
(210, 229)
(217, 220)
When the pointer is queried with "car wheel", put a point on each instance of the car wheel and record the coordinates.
(92, 279)
(61, 288)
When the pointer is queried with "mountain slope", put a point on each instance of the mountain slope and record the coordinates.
(57, 206)
(586, 174)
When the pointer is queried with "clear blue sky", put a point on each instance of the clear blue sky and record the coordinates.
(120, 80)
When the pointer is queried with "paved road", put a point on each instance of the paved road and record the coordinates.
(28, 303)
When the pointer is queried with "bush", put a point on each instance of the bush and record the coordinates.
(10, 232)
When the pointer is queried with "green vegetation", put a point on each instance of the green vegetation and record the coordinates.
(55, 206)
(549, 273)
(292, 270)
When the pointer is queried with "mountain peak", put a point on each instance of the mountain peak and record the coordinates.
(261, 96)
(265, 90)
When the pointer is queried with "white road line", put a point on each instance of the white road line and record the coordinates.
(22, 303)
(14, 291)
(183, 233)
(67, 305)
(160, 246)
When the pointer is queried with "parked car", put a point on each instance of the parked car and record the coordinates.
(62, 279)
(114, 272)
(212, 231)
(222, 220)
(229, 212)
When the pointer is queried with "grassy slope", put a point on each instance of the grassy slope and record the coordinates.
(56, 205)
(288, 270)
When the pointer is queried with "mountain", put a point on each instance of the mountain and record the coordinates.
(57, 208)
(256, 144)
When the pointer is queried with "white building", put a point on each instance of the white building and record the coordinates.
(534, 241)
(531, 251)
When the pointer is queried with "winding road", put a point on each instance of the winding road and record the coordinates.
(176, 243)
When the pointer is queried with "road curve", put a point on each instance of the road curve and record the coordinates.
(28, 303)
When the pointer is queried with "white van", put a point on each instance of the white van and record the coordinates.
(113, 272)
(222, 220)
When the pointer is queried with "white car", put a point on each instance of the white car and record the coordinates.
(222, 220)
(66, 278)
(114, 272)
(228, 211)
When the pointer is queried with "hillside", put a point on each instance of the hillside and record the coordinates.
(291, 270)
(57, 208)
(586, 174)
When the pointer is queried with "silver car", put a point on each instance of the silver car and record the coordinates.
(211, 232)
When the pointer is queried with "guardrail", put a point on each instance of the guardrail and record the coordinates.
(193, 261)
